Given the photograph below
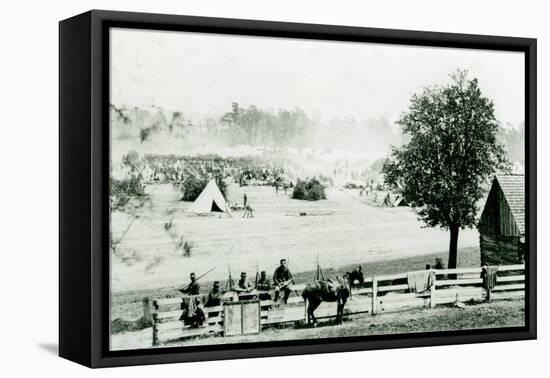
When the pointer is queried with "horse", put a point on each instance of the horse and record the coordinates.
(356, 277)
(327, 291)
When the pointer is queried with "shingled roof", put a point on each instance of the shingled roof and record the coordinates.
(513, 187)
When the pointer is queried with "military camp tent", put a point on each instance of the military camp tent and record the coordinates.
(210, 199)
(399, 201)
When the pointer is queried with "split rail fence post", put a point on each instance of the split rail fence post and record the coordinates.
(432, 292)
(154, 319)
(147, 309)
(374, 295)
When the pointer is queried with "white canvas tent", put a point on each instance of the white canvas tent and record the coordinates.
(400, 201)
(210, 199)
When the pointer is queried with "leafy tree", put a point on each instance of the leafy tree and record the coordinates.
(378, 165)
(452, 152)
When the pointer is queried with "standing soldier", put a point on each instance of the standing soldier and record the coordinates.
(192, 306)
(193, 288)
(282, 278)
(245, 200)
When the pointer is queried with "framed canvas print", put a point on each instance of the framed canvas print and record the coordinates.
(235, 188)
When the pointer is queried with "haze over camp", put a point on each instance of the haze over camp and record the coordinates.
(323, 183)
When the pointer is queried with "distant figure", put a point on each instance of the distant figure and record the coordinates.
(245, 200)
(276, 188)
(244, 285)
(439, 265)
(248, 212)
(282, 278)
(285, 187)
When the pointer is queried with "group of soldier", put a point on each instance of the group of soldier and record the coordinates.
(282, 278)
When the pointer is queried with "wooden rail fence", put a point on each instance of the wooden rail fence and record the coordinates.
(379, 294)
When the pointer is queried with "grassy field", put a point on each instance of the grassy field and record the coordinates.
(339, 231)
(474, 316)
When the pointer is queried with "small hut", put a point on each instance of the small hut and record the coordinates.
(502, 223)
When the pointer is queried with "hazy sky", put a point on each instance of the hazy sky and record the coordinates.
(202, 74)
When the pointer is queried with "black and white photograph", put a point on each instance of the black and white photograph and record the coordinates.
(270, 189)
(258, 189)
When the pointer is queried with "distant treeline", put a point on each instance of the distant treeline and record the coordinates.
(257, 127)
(254, 126)
(513, 139)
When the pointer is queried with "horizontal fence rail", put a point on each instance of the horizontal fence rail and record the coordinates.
(378, 294)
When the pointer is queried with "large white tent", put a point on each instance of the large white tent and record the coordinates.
(210, 199)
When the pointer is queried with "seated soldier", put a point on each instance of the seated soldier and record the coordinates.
(244, 286)
(214, 298)
(263, 285)
(282, 278)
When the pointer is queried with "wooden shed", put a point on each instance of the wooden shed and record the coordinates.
(502, 223)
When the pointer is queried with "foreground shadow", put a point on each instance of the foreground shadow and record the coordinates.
(51, 348)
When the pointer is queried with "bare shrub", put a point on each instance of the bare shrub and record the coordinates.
(153, 263)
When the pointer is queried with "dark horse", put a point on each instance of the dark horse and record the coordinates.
(327, 291)
(356, 277)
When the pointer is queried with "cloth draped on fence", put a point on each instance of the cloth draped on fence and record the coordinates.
(420, 281)
(191, 306)
(489, 275)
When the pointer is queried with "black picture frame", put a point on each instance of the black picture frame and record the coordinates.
(84, 198)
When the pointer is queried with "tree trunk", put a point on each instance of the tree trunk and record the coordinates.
(453, 246)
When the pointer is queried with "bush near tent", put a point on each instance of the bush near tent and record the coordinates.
(123, 189)
(193, 186)
(310, 190)
(210, 200)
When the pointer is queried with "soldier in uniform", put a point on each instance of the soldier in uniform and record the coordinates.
(192, 306)
(263, 285)
(282, 278)
(214, 296)
(244, 285)
(193, 288)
